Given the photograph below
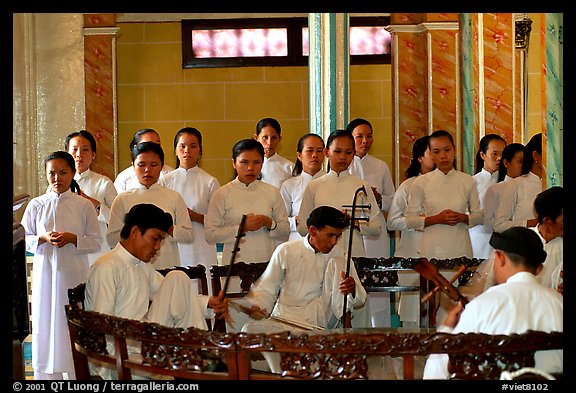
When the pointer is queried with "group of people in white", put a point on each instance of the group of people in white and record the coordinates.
(116, 235)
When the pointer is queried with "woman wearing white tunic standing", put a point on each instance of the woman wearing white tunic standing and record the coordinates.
(337, 188)
(61, 230)
(148, 159)
(407, 247)
(377, 174)
(516, 207)
(444, 204)
(266, 222)
(488, 160)
(275, 168)
(510, 168)
(309, 160)
(266, 218)
(97, 188)
(197, 188)
(127, 179)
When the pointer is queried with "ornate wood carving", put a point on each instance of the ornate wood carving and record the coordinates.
(335, 354)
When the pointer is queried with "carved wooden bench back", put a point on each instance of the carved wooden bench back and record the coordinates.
(344, 355)
(183, 353)
(337, 354)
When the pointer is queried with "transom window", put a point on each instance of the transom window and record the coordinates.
(274, 42)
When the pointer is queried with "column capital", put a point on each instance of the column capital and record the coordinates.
(522, 33)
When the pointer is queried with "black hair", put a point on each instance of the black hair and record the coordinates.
(337, 134)
(298, 164)
(244, 145)
(441, 134)
(64, 155)
(268, 121)
(138, 136)
(418, 150)
(484, 144)
(358, 122)
(327, 216)
(533, 145)
(84, 134)
(144, 147)
(187, 130)
(145, 216)
(508, 154)
(549, 203)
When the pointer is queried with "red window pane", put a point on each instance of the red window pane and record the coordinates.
(240, 43)
(364, 40)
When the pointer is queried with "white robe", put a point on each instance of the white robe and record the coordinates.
(291, 191)
(517, 202)
(127, 179)
(430, 194)
(480, 234)
(196, 187)
(377, 174)
(166, 199)
(276, 169)
(225, 211)
(518, 305)
(549, 276)
(336, 190)
(55, 270)
(121, 285)
(407, 247)
(302, 285)
(99, 187)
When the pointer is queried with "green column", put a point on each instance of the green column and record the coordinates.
(468, 114)
(554, 100)
(328, 67)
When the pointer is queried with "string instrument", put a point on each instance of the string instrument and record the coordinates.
(430, 272)
(346, 322)
(235, 250)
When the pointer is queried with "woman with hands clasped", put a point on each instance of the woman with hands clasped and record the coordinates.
(61, 229)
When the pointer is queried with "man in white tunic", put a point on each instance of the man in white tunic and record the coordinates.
(123, 282)
(148, 158)
(519, 303)
(305, 282)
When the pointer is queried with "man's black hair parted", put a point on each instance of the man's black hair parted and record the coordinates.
(521, 241)
(146, 216)
(327, 216)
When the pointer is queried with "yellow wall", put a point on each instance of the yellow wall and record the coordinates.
(226, 103)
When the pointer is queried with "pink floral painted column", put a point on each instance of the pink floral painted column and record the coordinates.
(100, 84)
(425, 80)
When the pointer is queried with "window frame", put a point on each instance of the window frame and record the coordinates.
(294, 28)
